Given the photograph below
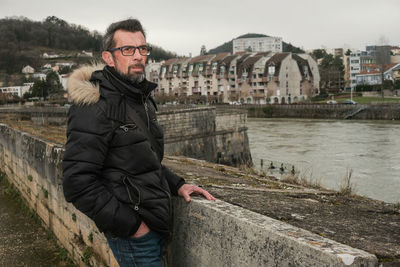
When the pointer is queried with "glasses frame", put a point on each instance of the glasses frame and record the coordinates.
(149, 48)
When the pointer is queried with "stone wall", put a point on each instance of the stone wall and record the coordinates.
(203, 133)
(34, 167)
(200, 133)
(205, 233)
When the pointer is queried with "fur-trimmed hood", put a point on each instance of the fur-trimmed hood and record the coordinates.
(83, 86)
(80, 90)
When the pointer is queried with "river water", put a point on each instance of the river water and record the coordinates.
(326, 150)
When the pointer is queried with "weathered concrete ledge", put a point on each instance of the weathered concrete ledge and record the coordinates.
(220, 234)
(206, 233)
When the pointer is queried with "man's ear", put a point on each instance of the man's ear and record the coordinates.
(108, 58)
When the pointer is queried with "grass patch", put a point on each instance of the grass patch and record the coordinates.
(56, 134)
(371, 100)
(304, 179)
(45, 192)
(347, 187)
(12, 192)
(90, 237)
(87, 255)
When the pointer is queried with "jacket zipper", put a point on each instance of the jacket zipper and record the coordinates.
(136, 205)
(146, 109)
(128, 127)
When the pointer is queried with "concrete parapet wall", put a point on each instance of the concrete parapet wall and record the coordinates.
(205, 233)
(34, 167)
(220, 234)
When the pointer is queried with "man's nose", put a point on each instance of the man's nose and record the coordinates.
(137, 55)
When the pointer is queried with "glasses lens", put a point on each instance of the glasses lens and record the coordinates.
(128, 50)
(144, 50)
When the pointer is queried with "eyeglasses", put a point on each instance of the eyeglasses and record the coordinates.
(129, 50)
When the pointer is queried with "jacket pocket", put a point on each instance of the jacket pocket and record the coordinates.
(133, 192)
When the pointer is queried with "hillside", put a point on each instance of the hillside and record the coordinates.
(23, 41)
(228, 46)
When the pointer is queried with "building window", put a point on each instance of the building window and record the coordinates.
(200, 67)
(222, 70)
(271, 70)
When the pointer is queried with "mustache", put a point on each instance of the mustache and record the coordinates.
(136, 65)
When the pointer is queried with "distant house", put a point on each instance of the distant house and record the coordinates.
(85, 54)
(45, 55)
(395, 50)
(373, 75)
(16, 90)
(65, 64)
(40, 76)
(63, 79)
(28, 70)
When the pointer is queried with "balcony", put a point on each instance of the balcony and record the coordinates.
(259, 95)
(267, 79)
(196, 90)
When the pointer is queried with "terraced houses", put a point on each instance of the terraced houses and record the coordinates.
(263, 77)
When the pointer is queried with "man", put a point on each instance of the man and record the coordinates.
(112, 162)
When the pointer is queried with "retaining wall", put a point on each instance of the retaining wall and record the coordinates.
(205, 233)
(200, 133)
(326, 111)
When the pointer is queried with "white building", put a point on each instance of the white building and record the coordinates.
(16, 90)
(152, 70)
(355, 67)
(28, 70)
(258, 44)
(40, 76)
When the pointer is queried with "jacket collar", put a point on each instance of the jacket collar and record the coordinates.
(83, 85)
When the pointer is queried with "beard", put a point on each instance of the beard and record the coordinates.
(135, 77)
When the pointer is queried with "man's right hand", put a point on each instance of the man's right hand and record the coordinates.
(142, 230)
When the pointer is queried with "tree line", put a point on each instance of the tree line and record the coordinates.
(22, 41)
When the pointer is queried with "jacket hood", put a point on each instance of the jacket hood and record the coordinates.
(80, 90)
(83, 86)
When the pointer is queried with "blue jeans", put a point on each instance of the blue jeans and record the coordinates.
(144, 251)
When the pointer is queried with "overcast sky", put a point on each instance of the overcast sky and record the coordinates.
(183, 26)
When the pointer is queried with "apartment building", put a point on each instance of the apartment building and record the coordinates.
(289, 79)
(258, 44)
(355, 67)
(243, 77)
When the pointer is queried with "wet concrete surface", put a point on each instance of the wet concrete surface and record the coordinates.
(23, 240)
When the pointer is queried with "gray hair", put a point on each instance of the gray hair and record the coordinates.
(130, 25)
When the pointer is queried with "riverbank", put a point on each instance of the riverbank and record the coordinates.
(322, 111)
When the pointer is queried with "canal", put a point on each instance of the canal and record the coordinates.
(326, 150)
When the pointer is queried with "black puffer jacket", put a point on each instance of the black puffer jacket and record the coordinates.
(112, 169)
